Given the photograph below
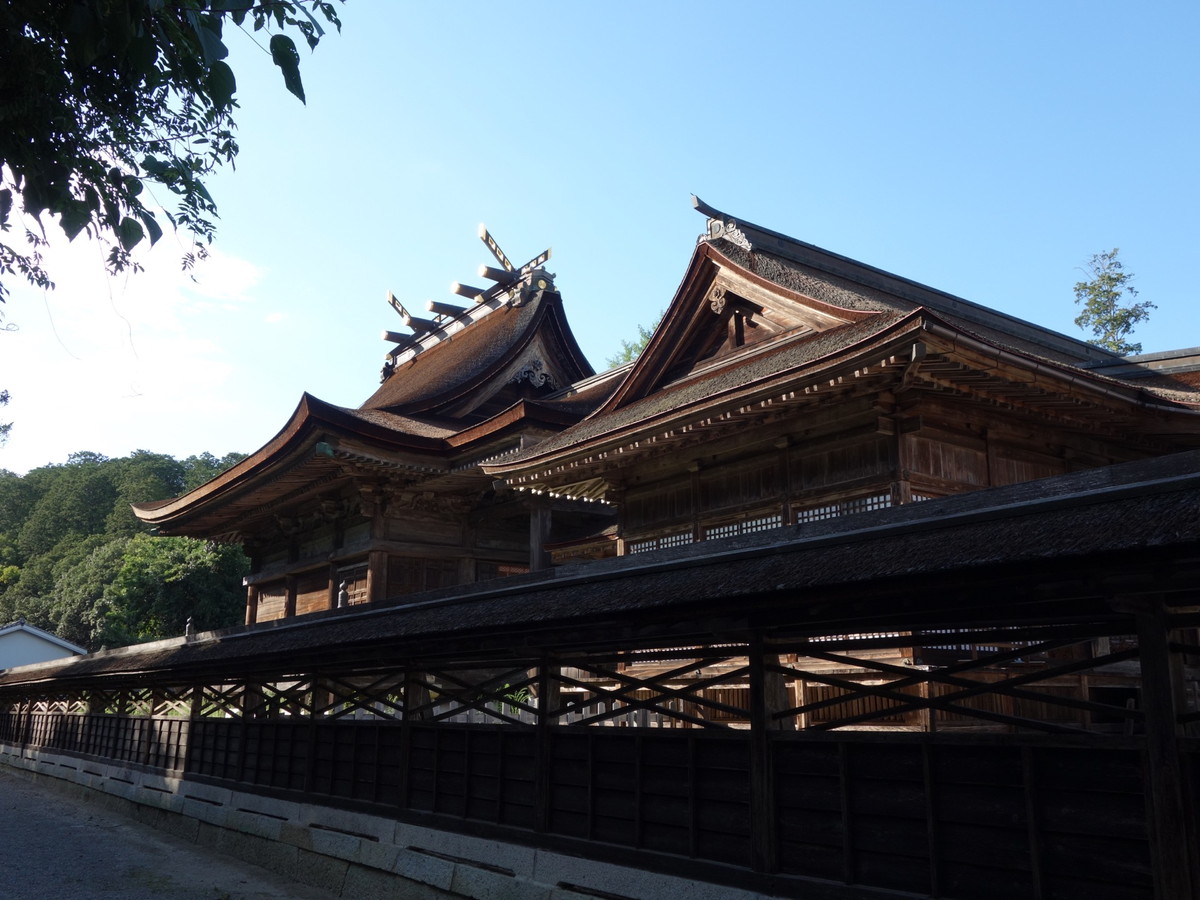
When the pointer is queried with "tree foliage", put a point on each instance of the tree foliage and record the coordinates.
(631, 350)
(75, 560)
(1103, 297)
(101, 97)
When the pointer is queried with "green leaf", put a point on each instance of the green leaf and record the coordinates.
(74, 219)
(221, 84)
(143, 54)
(129, 232)
(315, 24)
(284, 55)
(208, 31)
(214, 48)
(111, 211)
(151, 224)
(6, 203)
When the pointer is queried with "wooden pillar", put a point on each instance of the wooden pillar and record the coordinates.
(764, 843)
(335, 585)
(785, 481)
(549, 696)
(694, 487)
(251, 604)
(1172, 852)
(539, 532)
(253, 701)
(377, 586)
(289, 603)
(777, 695)
(409, 694)
(197, 701)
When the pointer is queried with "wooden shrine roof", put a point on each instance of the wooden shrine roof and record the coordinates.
(322, 443)
(1052, 551)
(408, 426)
(844, 282)
(470, 360)
(833, 318)
(723, 381)
(858, 309)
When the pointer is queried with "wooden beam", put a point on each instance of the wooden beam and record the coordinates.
(1168, 816)
(763, 806)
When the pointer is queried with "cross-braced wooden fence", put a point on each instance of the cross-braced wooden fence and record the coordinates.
(970, 762)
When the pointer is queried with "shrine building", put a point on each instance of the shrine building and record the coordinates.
(784, 385)
(845, 588)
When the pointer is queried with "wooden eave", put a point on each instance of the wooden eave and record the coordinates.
(921, 347)
(884, 354)
(968, 364)
(688, 314)
(522, 415)
(314, 447)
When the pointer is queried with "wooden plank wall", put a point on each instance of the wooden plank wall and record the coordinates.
(937, 816)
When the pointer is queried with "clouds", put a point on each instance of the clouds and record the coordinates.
(116, 363)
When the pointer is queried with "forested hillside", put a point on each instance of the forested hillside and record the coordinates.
(75, 560)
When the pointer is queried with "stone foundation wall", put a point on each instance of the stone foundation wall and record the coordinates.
(348, 853)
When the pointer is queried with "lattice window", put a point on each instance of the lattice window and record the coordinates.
(659, 543)
(855, 636)
(748, 526)
(867, 504)
(844, 508)
(817, 513)
(729, 529)
(918, 498)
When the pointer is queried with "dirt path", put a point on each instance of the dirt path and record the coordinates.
(53, 846)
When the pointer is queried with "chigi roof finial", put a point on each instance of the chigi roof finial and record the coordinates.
(510, 284)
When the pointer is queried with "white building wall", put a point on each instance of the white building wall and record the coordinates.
(20, 648)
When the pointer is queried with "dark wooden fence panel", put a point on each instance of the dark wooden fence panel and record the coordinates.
(683, 793)
(981, 817)
(1088, 813)
(483, 772)
(276, 751)
(158, 742)
(215, 749)
(964, 819)
(946, 817)
(810, 818)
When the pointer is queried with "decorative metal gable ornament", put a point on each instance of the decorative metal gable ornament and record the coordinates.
(535, 373)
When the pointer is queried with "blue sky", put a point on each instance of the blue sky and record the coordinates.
(986, 149)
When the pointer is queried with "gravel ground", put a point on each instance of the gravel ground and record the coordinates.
(53, 846)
